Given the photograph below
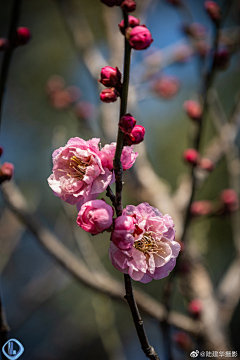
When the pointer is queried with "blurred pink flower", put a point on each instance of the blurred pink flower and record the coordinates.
(95, 216)
(6, 172)
(78, 174)
(166, 87)
(128, 156)
(153, 252)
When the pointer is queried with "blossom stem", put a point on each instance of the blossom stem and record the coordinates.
(9, 52)
(146, 347)
(123, 108)
(117, 165)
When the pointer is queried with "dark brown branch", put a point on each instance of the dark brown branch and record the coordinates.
(8, 54)
(146, 347)
(111, 195)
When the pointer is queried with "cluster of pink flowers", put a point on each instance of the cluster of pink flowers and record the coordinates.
(81, 171)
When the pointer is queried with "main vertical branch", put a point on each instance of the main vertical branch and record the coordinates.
(117, 165)
(12, 36)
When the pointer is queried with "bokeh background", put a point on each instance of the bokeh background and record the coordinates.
(50, 313)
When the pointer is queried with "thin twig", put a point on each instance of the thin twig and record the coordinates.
(12, 35)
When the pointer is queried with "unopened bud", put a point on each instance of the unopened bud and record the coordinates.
(230, 200)
(191, 156)
(109, 95)
(206, 164)
(222, 58)
(136, 136)
(23, 35)
(195, 308)
(193, 109)
(213, 9)
(112, 3)
(1, 151)
(127, 123)
(201, 208)
(128, 5)
(139, 37)
(166, 87)
(110, 77)
(6, 172)
(183, 340)
(3, 44)
(132, 22)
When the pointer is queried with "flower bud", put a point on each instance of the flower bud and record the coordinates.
(193, 109)
(95, 216)
(3, 44)
(222, 58)
(132, 22)
(23, 35)
(191, 156)
(136, 136)
(127, 123)
(195, 308)
(213, 9)
(139, 37)
(166, 87)
(6, 172)
(183, 340)
(201, 208)
(110, 77)
(122, 234)
(128, 5)
(61, 100)
(1, 151)
(109, 95)
(55, 83)
(230, 200)
(206, 164)
(112, 3)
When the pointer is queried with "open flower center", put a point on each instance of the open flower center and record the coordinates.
(78, 167)
(147, 243)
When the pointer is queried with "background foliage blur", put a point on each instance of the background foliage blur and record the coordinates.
(52, 315)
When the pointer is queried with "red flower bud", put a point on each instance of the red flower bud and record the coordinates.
(3, 44)
(201, 208)
(109, 95)
(222, 58)
(132, 22)
(183, 340)
(112, 3)
(6, 172)
(206, 164)
(175, 2)
(191, 156)
(166, 87)
(213, 9)
(195, 308)
(1, 151)
(23, 35)
(139, 37)
(230, 200)
(127, 123)
(193, 109)
(136, 136)
(110, 77)
(128, 5)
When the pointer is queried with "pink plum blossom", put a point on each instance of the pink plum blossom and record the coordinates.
(128, 156)
(78, 174)
(95, 216)
(153, 252)
(132, 22)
